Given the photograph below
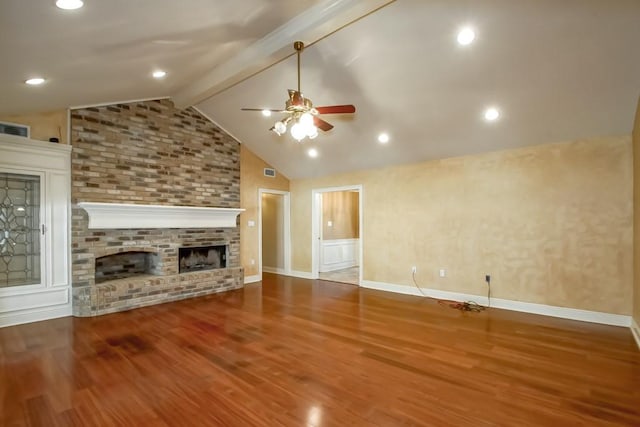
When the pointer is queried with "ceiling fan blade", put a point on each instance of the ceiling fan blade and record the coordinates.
(337, 109)
(321, 124)
(273, 110)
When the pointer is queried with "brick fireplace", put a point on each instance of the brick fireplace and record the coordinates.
(150, 153)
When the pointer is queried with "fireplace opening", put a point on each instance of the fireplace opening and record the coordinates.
(126, 264)
(202, 258)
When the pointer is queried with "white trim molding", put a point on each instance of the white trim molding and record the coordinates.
(251, 279)
(301, 274)
(635, 331)
(526, 307)
(37, 315)
(274, 270)
(123, 215)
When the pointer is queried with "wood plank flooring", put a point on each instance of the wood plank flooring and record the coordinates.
(294, 352)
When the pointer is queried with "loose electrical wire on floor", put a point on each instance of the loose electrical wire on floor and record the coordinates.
(470, 306)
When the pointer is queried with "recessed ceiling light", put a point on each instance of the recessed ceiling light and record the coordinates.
(69, 4)
(466, 36)
(266, 113)
(35, 81)
(312, 152)
(383, 138)
(158, 74)
(491, 114)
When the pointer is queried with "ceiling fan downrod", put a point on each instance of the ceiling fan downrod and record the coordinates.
(298, 46)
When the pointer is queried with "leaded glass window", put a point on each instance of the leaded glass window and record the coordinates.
(19, 230)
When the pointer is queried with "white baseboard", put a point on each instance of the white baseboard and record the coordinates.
(274, 270)
(635, 331)
(35, 315)
(326, 268)
(301, 274)
(251, 279)
(526, 307)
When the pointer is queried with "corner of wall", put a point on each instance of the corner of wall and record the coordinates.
(51, 124)
(636, 225)
(251, 179)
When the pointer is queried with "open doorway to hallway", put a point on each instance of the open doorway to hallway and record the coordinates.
(338, 239)
(274, 245)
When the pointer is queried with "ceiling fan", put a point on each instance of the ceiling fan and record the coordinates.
(301, 113)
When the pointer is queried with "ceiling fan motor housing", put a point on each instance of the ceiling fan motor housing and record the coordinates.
(297, 102)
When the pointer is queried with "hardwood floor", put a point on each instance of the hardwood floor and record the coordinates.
(349, 275)
(297, 352)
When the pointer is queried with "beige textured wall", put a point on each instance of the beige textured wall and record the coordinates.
(341, 208)
(272, 227)
(636, 216)
(43, 125)
(552, 224)
(251, 179)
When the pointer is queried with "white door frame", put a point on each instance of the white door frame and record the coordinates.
(287, 229)
(316, 229)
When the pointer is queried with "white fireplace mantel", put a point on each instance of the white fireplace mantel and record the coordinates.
(122, 215)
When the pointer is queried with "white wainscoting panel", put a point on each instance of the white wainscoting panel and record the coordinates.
(338, 254)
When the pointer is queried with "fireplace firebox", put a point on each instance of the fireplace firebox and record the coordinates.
(202, 258)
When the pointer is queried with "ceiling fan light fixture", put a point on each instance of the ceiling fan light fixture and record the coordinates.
(298, 131)
(313, 133)
(279, 128)
(306, 120)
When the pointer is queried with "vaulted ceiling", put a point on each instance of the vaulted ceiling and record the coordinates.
(555, 70)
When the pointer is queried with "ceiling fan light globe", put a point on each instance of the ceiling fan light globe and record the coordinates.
(313, 133)
(298, 131)
(306, 120)
(279, 128)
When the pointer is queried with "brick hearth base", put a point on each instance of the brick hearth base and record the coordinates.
(126, 294)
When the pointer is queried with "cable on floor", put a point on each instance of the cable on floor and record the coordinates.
(467, 306)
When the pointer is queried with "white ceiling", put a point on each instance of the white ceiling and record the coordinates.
(558, 70)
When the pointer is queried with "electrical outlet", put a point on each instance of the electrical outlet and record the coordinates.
(253, 262)
(414, 269)
(443, 272)
(487, 279)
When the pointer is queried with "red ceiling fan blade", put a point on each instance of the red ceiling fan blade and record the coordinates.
(337, 109)
(321, 124)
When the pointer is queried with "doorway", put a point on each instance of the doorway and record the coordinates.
(274, 254)
(337, 234)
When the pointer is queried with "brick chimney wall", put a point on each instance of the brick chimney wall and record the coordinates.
(154, 154)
